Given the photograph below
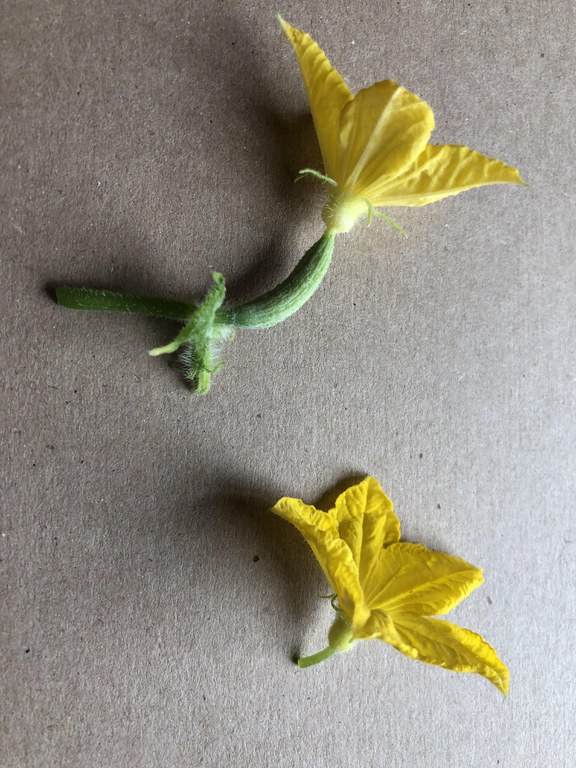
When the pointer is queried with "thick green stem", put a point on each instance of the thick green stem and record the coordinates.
(109, 301)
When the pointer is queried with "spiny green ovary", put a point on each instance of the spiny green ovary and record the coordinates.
(287, 298)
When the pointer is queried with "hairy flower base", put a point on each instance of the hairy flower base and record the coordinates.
(342, 212)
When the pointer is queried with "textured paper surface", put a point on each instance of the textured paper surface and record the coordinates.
(151, 605)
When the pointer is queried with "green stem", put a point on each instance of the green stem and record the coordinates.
(109, 301)
(316, 658)
(269, 309)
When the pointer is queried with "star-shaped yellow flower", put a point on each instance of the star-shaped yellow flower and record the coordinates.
(388, 589)
(375, 144)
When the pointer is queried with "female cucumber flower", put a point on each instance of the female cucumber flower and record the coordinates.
(388, 589)
(376, 153)
(375, 144)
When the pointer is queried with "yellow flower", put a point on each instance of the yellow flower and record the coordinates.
(388, 589)
(375, 144)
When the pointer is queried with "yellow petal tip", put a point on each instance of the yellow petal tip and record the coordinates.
(286, 28)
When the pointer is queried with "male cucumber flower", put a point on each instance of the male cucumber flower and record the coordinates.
(388, 589)
(375, 144)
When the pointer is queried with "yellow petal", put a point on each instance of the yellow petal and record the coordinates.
(366, 521)
(379, 626)
(410, 578)
(439, 172)
(327, 92)
(331, 551)
(383, 129)
(442, 643)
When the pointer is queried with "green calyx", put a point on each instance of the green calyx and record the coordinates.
(199, 337)
(340, 639)
(210, 322)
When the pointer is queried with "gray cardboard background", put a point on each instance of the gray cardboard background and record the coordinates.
(144, 145)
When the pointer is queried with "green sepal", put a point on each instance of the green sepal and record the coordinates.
(199, 337)
(317, 175)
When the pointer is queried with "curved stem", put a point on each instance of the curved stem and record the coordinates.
(316, 658)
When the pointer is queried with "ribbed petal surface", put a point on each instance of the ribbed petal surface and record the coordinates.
(413, 579)
(442, 643)
(332, 553)
(383, 129)
(365, 519)
(439, 172)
